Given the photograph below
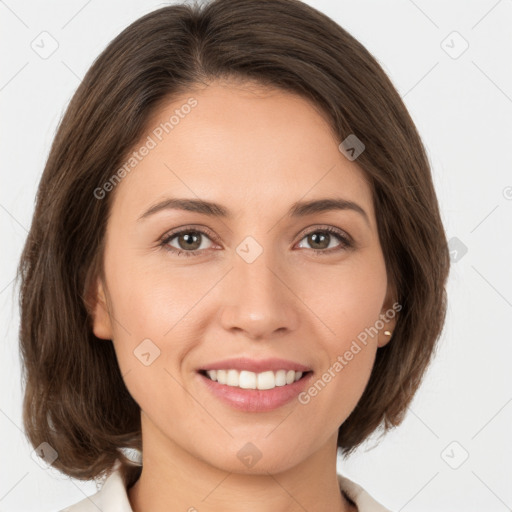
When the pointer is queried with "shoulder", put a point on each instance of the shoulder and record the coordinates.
(112, 497)
(364, 501)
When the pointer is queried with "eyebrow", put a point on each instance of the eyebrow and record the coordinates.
(212, 209)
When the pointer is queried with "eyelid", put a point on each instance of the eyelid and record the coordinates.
(330, 229)
(346, 241)
(189, 227)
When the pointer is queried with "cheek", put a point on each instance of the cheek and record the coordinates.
(347, 300)
(148, 298)
(334, 393)
(350, 311)
(154, 319)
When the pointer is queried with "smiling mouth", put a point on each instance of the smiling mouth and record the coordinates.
(250, 380)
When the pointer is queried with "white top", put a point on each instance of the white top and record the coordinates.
(113, 496)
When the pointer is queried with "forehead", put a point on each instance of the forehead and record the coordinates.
(246, 146)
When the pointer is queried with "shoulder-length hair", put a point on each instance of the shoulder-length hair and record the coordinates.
(75, 398)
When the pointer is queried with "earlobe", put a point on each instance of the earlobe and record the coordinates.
(388, 317)
(101, 324)
(385, 336)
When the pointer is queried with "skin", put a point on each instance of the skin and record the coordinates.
(255, 151)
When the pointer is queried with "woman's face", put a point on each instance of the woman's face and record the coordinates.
(246, 284)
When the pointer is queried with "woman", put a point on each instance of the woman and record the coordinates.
(236, 265)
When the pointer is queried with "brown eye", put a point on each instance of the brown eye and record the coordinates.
(320, 240)
(189, 242)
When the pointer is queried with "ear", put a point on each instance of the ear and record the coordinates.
(99, 311)
(388, 316)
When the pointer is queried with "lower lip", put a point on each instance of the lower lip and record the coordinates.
(256, 400)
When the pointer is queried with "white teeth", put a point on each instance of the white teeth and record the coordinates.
(250, 380)
(232, 378)
(266, 380)
(247, 380)
(281, 378)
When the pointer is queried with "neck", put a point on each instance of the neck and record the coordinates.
(174, 479)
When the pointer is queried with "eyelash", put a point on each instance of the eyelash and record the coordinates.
(344, 239)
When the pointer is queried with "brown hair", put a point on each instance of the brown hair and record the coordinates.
(75, 397)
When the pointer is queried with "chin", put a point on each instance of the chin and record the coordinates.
(253, 459)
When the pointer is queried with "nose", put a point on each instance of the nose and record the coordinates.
(259, 298)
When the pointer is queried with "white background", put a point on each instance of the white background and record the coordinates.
(463, 110)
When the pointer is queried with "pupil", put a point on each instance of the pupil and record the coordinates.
(190, 238)
(314, 241)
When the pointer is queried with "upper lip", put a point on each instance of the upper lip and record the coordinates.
(256, 365)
